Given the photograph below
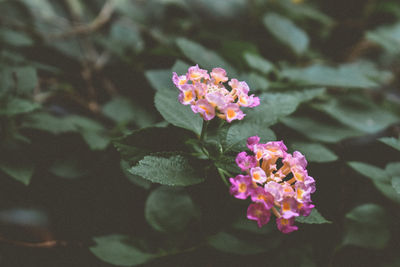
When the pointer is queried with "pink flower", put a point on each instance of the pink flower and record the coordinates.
(219, 75)
(258, 175)
(241, 186)
(217, 99)
(286, 225)
(276, 149)
(258, 212)
(297, 160)
(303, 193)
(195, 74)
(254, 101)
(285, 190)
(248, 101)
(242, 88)
(275, 189)
(187, 95)
(251, 141)
(233, 112)
(197, 88)
(259, 195)
(234, 83)
(245, 162)
(305, 208)
(289, 208)
(206, 110)
(179, 80)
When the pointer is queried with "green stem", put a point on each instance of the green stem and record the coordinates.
(203, 130)
(202, 136)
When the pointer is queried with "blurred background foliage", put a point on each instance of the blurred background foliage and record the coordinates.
(85, 95)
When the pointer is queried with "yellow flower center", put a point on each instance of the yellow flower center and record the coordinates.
(205, 109)
(256, 176)
(231, 113)
(242, 188)
(188, 96)
(285, 206)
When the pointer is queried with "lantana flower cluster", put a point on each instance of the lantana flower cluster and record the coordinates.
(284, 191)
(208, 96)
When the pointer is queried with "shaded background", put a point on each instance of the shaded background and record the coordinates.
(77, 75)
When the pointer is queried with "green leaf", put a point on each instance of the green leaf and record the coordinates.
(27, 79)
(91, 131)
(96, 140)
(255, 81)
(238, 133)
(134, 146)
(314, 152)
(386, 36)
(20, 171)
(117, 250)
(305, 10)
(124, 35)
(396, 183)
(15, 106)
(314, 218)
(160, 79)
(258, 63)
(319, 130)
(379, 177)
(179, 67)
(358, 113)
(6, 81)
(167, 104)
(230, 243)
(205, 58)
(122, 110)
(275, 106)
(353, 75)
(168, 169)
(169, 209)
(367, 226)
(374, 173)
(286, 32)
(393, 170)
(69, 167)
(391, 141)
(47, 122)
(137, 180)
(15, 38)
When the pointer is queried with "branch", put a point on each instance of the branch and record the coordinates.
(45, 244)
(102, 18)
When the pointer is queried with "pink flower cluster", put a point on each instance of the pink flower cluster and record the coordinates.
(286, 191)
(208, 96)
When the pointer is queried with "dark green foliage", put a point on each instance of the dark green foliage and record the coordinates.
(367, 226)
(93, 137)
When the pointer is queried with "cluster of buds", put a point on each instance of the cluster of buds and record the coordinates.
(208, 96)
(286, 191)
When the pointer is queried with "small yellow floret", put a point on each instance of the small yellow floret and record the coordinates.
(231, 113)
(242, 188)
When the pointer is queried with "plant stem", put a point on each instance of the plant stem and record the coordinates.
(202, 136)
(203, 130)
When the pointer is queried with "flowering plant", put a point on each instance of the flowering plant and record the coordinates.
(208, 96)
(286, 191)
(103, 153)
